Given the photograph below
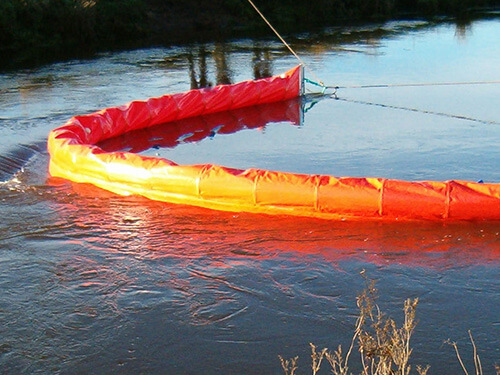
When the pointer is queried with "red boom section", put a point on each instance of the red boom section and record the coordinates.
(74, 155)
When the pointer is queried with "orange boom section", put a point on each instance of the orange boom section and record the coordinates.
(75, 155)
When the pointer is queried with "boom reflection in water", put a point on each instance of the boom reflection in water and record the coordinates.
(197, 128)
(167, 230)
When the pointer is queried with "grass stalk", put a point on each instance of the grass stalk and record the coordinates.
(289, 365)
(384, 347)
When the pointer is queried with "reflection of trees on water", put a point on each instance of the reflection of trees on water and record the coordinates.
(462, 30)
(261, 61)
(202, 81)
(199, 60)
(210, 64)
(361, 39)
(198, 70)
(223, 73)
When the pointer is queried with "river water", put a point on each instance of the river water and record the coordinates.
(95, 283)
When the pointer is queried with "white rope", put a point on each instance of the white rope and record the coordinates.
(285, 43)
(423, 84)
(410, 109)
(321, 84)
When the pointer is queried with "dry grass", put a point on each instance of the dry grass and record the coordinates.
(478, 368)
(289, 365)
(384, 348)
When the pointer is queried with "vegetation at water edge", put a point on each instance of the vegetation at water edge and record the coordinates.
(38, 30)
(383, 347)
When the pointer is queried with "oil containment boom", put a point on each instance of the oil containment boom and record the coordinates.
(76, 156)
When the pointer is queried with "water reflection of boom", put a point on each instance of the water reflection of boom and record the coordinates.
(150, 229)
(197, 128)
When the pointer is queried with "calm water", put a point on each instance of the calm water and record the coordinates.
(95, 283)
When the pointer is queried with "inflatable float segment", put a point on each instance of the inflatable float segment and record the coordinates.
(76, 156)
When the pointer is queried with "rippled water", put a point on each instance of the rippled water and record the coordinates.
(96, 283)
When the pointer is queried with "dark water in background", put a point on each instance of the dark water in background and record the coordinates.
(95, 283)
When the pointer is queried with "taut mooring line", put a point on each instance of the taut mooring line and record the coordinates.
(423, 84)
(442, 114)
(285, 43)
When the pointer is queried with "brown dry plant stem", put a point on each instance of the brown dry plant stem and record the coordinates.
(337, 362)
(477, 361)
(289, 365)
(383, 346)
(317, 358)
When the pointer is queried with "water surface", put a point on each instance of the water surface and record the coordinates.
(96, 283)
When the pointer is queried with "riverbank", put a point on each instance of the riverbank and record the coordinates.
(33, 32)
